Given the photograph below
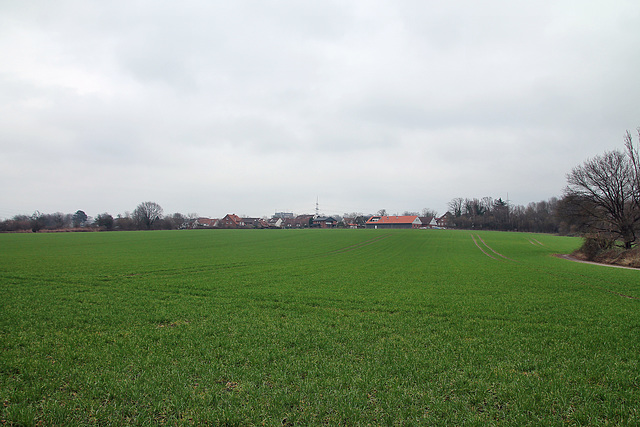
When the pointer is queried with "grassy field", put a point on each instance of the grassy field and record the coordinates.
(293, 327)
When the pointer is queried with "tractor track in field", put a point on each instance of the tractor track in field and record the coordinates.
(494, 251)
(490, 248)
(482, 250)
(233, 265)
(358, 245)
(579, 279)
(534, 242)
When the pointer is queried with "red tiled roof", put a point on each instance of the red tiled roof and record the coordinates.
(399, 219)
(233, 217)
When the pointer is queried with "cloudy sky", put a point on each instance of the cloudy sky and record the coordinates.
(258, 106)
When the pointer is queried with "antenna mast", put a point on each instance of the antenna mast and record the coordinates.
(317, 208)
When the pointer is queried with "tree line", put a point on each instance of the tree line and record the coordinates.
(489, 214)
(146, 216)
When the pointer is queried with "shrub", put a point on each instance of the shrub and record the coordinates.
(594, 245)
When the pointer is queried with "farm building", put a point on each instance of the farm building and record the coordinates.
(395, 221)
(428, 222)
(205, 223)
(324, 222)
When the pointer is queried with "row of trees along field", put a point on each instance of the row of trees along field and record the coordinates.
(489, 214)
(146, 216)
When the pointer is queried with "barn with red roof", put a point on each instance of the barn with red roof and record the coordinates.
(394, 221)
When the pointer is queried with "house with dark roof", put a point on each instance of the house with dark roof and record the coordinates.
(324, 222)
(394, 221)
(428, 222)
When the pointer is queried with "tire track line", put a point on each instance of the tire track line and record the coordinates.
(534, 242)
(359, 245)
(575, 277)
(483, 251)
(494, 251)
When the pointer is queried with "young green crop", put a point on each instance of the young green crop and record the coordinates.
(304, 327)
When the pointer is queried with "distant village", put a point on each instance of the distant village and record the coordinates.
(479, 214)
(288, 220)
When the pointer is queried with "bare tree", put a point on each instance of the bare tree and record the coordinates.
(634, 156)
(456, 206)
(124, 222)
(602, 193)
(146, 214)
(18, 222)
(176, 221)
(429, 212)
(57, 220)
(37, 221)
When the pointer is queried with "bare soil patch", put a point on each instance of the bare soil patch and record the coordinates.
(630, 258)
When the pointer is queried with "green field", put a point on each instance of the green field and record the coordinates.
(308, 327)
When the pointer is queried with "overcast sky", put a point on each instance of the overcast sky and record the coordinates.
(258, 106)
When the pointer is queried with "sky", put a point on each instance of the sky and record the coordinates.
(261, 106)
